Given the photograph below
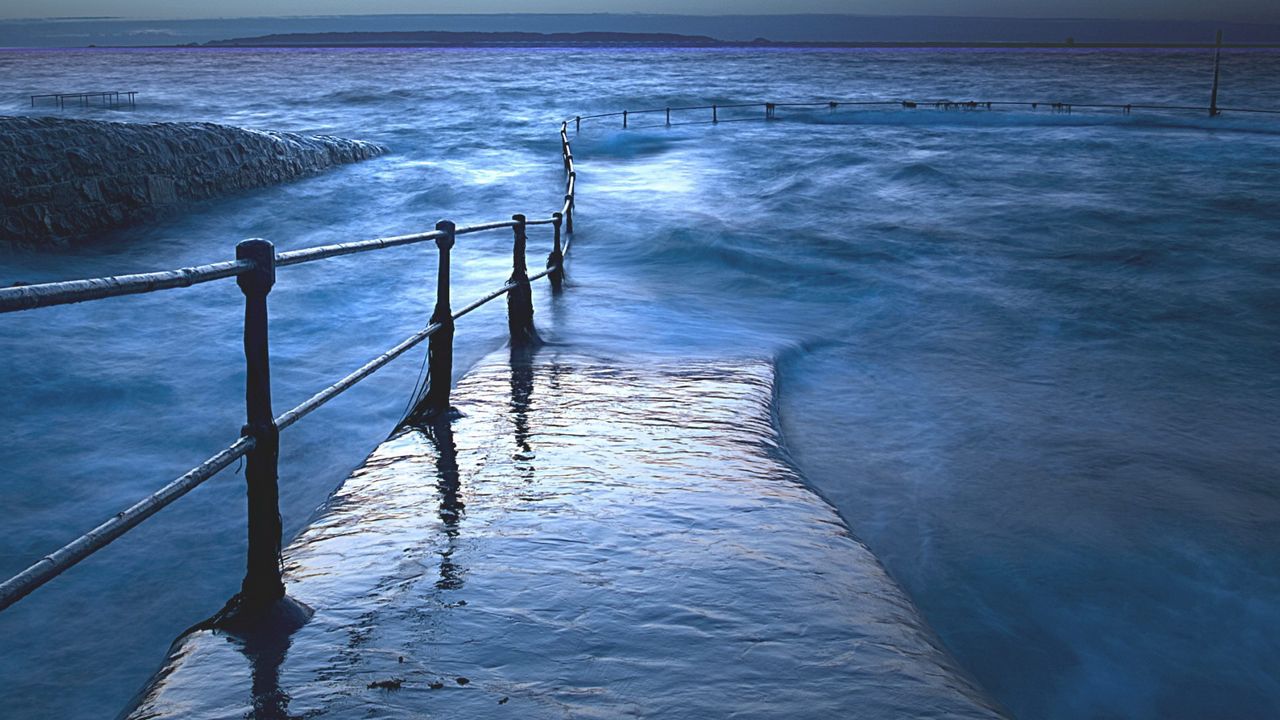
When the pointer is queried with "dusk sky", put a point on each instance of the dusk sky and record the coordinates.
(1239, 10)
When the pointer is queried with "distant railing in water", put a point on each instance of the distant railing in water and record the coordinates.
(254, 269)
(771, 109)
(107, 99)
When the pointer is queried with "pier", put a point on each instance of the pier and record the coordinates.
(581, 541)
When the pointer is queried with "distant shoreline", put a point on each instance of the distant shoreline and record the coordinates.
(448, 39)
(731, 45)
(730, 31)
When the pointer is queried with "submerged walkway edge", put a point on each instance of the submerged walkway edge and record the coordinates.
(586, 540)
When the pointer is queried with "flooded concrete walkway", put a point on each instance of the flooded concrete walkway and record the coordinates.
(586, 541)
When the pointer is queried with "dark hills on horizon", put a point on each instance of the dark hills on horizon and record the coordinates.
(806, 30)
(437, 38)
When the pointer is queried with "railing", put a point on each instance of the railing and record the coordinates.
(770, 109)
(109, 98)
(255, 269)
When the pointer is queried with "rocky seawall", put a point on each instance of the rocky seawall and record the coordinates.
(63, 180)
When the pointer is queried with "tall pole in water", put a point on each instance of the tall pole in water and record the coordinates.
(1217, 60)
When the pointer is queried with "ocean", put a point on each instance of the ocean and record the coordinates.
(1032, 358)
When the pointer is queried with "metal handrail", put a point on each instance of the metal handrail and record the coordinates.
(315, 402)
(30, 297)
(256, 274)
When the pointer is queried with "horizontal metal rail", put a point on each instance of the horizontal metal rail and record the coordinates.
(30, 297)
(323, 252)
(319, 399)
(53, 564)
(468, 229)
(467, 309)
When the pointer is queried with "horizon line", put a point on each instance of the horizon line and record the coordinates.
(1041, 18)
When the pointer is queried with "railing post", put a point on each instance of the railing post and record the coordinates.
(577, 124)
(624, 119)
(435, 402)
(1217, 60)
(715, 117)
(668, 117)
(568, 218)
(555, 261)
(262, 584)
(520, 296)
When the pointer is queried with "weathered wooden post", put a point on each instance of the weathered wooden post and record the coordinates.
(668, 117)
(624, 119)
(435, 402)
(520, 296)
(715, 117)
(1217, 60)
(262, 585)
(555, 261)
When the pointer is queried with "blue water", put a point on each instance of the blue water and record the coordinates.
(1033, 359)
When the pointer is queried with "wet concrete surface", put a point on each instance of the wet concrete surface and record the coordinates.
(585, 540)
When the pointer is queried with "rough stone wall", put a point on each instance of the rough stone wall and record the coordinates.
(63, 180)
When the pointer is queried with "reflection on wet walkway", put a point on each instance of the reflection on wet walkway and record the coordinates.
(582, 540)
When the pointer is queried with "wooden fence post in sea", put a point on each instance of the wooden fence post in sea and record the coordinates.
(262, 584)
(668, 117)
(555, 261)
(520, 297)
(715, 117)
(624, 119)
(1217, 61)
(440, 348)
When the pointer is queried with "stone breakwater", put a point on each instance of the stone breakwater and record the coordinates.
(62, 180)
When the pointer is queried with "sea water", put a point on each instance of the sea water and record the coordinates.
(1033, 358)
